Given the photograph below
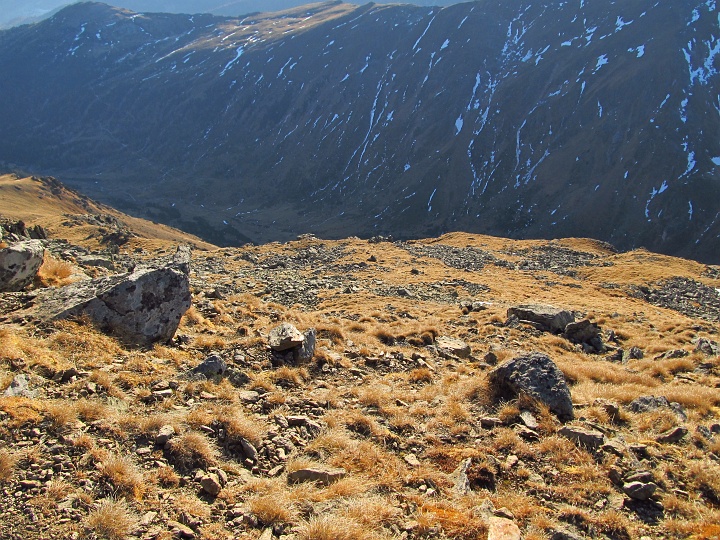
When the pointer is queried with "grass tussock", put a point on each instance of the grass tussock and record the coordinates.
(54, 272)
(7, 465)
(192, 450)
(124, 475)
(112, 519)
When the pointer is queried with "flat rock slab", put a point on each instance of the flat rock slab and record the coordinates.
(589, 438)
(321, 475)
(537, 375)
(548, 318)
(19, 264)
(453, 346)
(142, 308)
(285, 337)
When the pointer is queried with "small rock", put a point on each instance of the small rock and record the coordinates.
(180, 530)
(536, 375)
(462, 482)
(210, 484)
(489, 422)
(633, 353)
(614, 447)
(639, 476)
(529, 420)
(675, 353)
(212, 366)
(165, 433)
(672, 435)
(412, 460)
(19, 264)
(547, 318)
(307, 349)
(248, 396)
(500, 528)
(639, 490)
(20, 387)
(588, 438)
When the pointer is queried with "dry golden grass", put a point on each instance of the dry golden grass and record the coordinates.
(193, 450)
(399, 407)
(60, 413)
(336, 527)
(273, 508)
(124, 475)
(7, 464)
(54, 272)
(112, 519)
(239, 424)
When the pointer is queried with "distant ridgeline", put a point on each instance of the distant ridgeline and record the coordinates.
(520, 119)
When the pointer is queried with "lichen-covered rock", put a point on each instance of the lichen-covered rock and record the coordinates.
(536, 375)
(285, 337)
(142, 308)
(19, 264)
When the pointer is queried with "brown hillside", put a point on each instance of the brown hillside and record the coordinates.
(67, 214)
(91, 454)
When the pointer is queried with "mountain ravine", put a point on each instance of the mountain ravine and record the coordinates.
(522, 119)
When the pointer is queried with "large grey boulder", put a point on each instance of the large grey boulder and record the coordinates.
(543, 317)
(19, 264)
(142, 307)
(537, 375)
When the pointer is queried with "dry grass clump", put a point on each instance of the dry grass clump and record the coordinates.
(336, 527)
(60, 412)
(167, 477)
(272, 508)
(286, 376)
(81, 344)
(112, 519)
(124, 475)
(8, 461)
(357, 422)
(192, 450)
(420, 376)
(54, 272)
(238, 424)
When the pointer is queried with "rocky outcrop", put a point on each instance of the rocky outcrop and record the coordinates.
(19, 264)
(545, 318)
(142, 307)
(289, 345)
(537, 375)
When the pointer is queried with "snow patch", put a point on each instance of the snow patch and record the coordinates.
(458, 125)
(601, 61)
(238, 54)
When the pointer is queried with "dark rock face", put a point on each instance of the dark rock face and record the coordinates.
(536, 375)
(497, 117)
(19, 264)
(143, 307)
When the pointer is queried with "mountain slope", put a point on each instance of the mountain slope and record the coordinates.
(523, 120)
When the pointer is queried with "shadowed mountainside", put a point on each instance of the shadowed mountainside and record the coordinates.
(520, 119)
